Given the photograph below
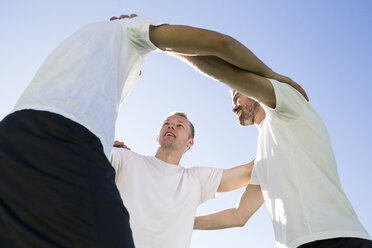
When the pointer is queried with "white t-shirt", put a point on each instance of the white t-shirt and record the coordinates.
(296, 170)
(162, 198)
(87, 76)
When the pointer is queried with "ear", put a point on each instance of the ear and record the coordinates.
(190, 143)
(157, 138)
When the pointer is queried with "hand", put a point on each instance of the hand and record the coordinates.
(287, 80)
(120, 144)
(298, 88)
(122, 17)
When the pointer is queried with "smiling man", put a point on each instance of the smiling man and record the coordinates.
(295, 171)
(161, 195)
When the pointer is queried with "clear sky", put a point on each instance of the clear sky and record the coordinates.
(325, 45)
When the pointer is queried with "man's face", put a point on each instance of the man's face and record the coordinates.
(175, 134)
(245, 108)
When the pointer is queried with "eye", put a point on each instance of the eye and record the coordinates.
(179, 125)
(236, 98)
(165, 123)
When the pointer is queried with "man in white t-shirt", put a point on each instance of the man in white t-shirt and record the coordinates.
(60, 191)
(295, 170)
(161, 195)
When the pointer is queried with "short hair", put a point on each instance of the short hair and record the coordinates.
(184, 115)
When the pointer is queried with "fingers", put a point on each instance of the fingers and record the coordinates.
(126, 147)
(292, 83)
(123, 17)
(120, 144)
(299, 89)
(303, 92)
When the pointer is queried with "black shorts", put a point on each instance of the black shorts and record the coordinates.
(57, 188)
(339, 243)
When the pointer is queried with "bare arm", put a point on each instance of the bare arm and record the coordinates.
(236, 177)
(247, 83)
(193, 41)
(250, 201)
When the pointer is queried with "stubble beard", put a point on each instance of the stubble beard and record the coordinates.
(248, 114)
(169, 146)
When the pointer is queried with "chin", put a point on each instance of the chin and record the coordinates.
(244, 122)
(168, 146)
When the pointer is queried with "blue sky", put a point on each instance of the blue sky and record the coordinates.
(325, 45)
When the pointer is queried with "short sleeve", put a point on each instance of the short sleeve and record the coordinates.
(290, 104)
(119, 160)
(209, 179)
(254, 178)
(138, 33)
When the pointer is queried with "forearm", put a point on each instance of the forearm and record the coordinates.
(220, 220)
(247, 83)
(250, 201)
(201, 42)
(190, 41)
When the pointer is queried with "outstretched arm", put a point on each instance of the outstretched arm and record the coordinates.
(236, 177)
(193, 41)
(247, 83)
(249, 203)
(196, 43)
(221, 50)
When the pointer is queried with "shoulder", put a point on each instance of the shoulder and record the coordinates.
(290, 103)
(203, 172)
(138, 32)
(122, 153)
(284, 89)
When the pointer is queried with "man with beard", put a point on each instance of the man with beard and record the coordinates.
(295, 170)
(161, 195)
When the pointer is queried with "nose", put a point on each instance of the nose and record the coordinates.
(235, 108)
(170, 126)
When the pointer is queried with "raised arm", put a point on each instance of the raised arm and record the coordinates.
(236, 177)
(193, 41)
(250, 201)
(247, 83)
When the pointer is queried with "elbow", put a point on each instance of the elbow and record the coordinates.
(240, 219)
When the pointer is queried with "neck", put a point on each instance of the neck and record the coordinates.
(168, 156)
(260, 116)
